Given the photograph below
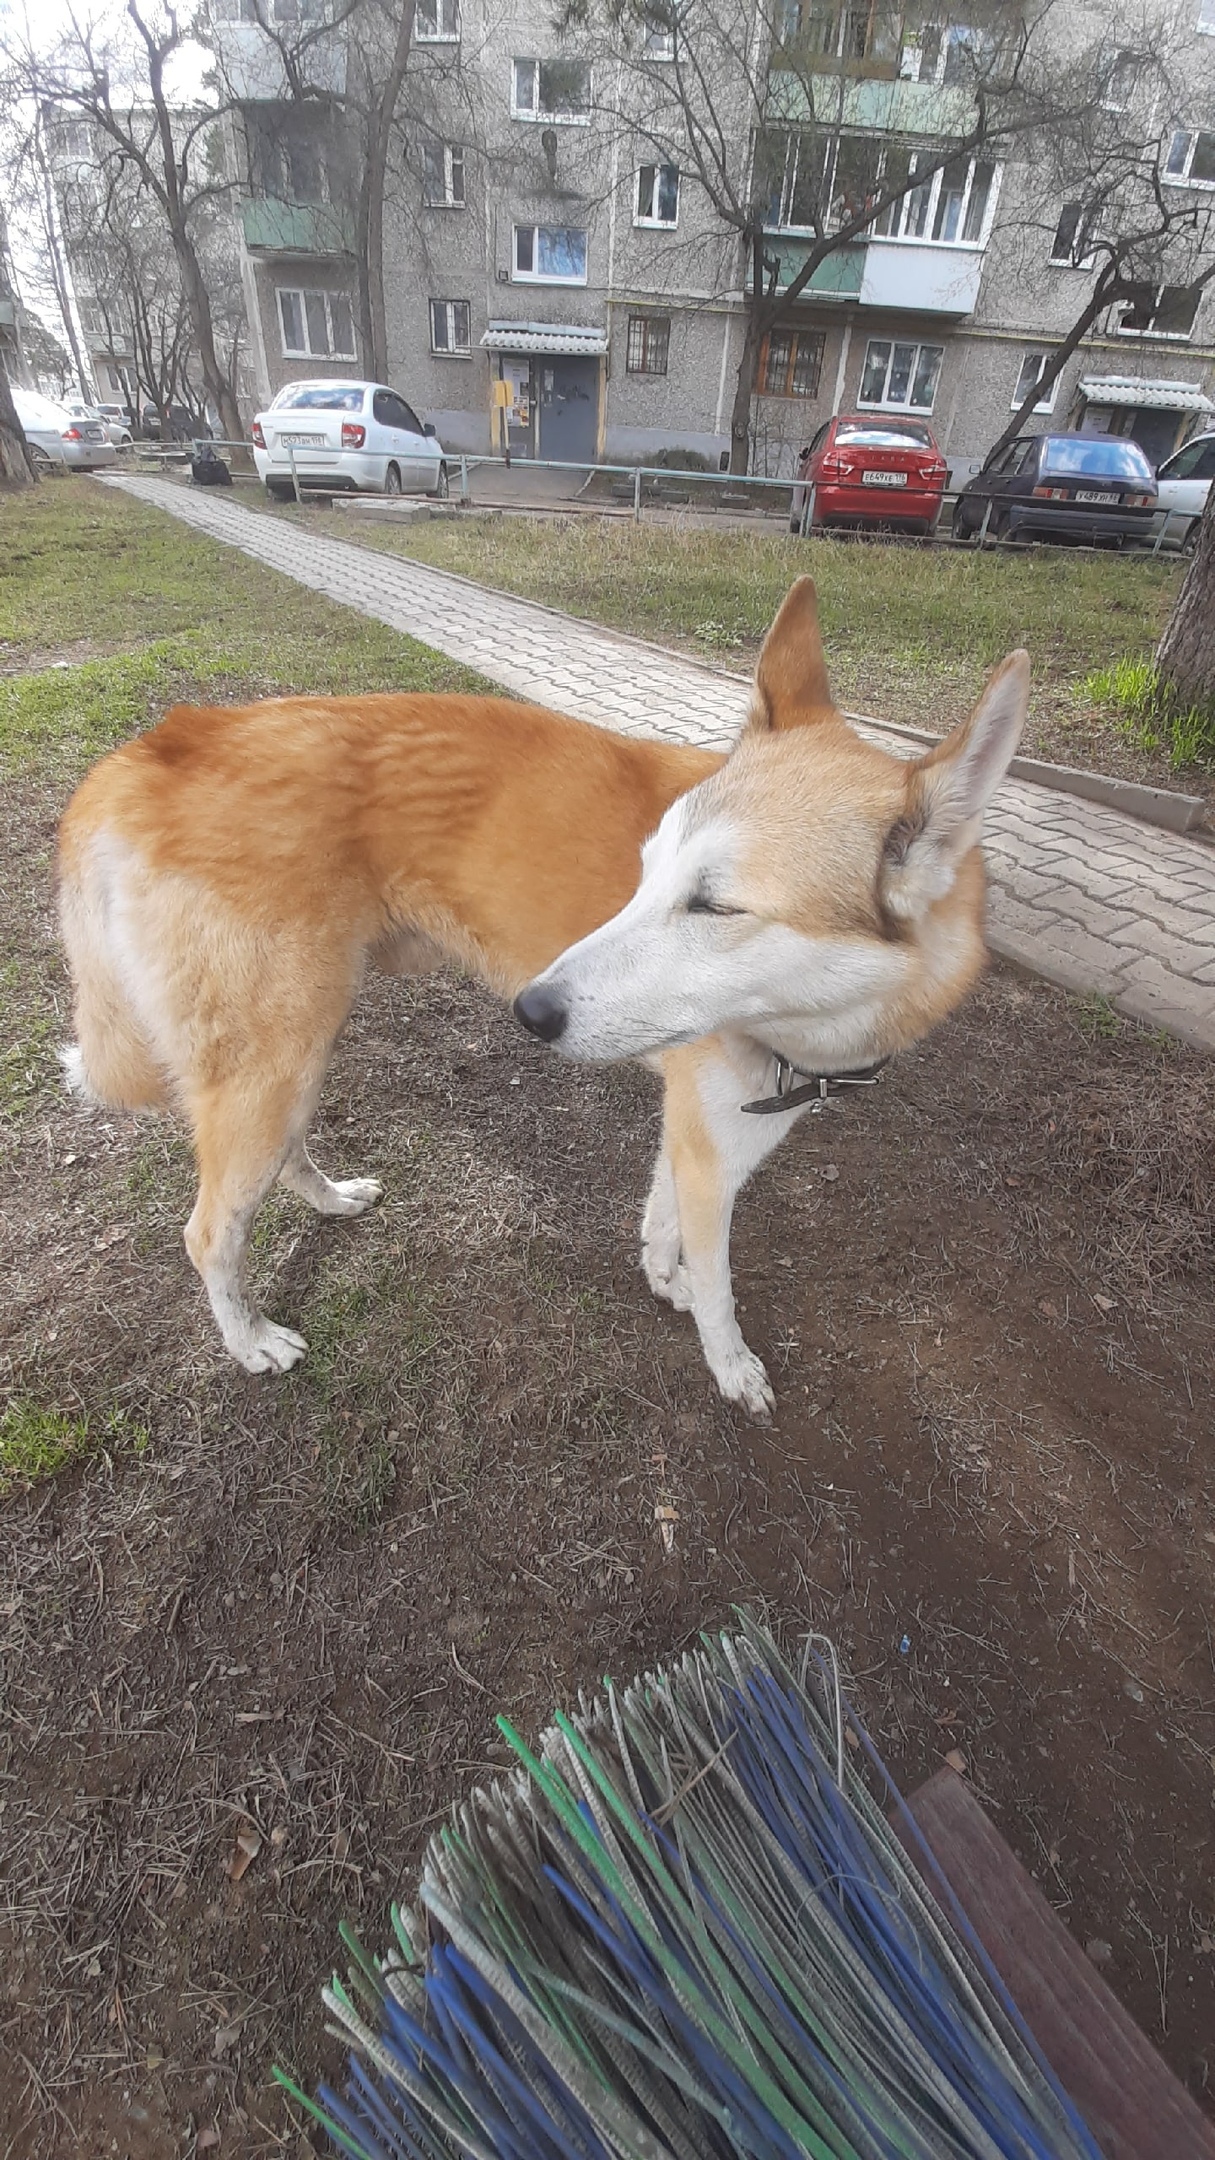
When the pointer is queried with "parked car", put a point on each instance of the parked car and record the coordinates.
(1183, 483)
(184, 426)
(116, 424)
(1078, 487)
(51, 429)
(346, 436)
(871, 469)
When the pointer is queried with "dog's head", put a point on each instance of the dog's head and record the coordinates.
(817, 893)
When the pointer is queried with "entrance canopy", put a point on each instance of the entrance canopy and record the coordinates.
(1164, 394)
(533, 337)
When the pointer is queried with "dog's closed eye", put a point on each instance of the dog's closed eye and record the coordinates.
(702, 904)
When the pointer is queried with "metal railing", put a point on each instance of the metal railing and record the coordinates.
(469, 461)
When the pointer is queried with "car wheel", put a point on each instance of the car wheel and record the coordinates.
(442, 488)
(278, 491)
(41, 460)
(1190, 544)
(959, 525)
(392, 481)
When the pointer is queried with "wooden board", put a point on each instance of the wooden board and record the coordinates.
(1131, 2101)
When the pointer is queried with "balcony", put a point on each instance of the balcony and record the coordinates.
(920, 280)
(838, 278)
(283, 228)
(900, 109)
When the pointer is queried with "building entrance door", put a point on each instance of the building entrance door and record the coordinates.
(568, 408)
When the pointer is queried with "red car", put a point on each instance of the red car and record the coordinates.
(871, 469)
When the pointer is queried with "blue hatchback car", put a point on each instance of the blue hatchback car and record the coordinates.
(1075, 487)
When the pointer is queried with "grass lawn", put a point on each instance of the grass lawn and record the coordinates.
(909, 630)
(285, 1612)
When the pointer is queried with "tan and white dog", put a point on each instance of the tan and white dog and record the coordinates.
(226, 878)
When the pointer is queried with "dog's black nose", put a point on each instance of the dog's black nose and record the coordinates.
(542, 1013)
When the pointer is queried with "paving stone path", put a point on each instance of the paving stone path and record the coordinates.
(1081, 893)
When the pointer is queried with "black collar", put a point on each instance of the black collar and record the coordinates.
(818, 1088)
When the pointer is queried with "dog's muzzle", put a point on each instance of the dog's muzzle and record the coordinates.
(542, 1013)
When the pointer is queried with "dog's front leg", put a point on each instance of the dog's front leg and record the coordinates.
(711, 1149)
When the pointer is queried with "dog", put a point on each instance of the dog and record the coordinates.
(807, 905)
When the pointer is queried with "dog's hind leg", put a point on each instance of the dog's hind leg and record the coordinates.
(329, 1196)
(713, 1148)
(242, 1137)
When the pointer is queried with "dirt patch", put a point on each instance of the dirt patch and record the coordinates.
(276, 1618)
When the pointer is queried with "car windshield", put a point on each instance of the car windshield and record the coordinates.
(319, 397)
(888, 435)
(1096, 458)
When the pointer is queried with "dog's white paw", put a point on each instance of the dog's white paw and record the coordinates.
(667, 1277)
(354, 1194)
(71, 1060)
(269, 1348)
(743, 1380)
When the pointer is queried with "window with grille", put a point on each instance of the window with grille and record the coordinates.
(648, 345)
(316, 325)
(791, 363)
(450, 327)
(901, 377)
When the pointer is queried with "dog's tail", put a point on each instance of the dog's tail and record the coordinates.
(111, 1061)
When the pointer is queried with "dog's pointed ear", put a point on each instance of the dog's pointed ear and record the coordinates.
(948, 791)
(791, 686)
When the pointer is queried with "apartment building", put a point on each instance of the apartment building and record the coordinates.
(556, 282)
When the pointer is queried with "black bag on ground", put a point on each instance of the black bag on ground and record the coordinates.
(208, 470)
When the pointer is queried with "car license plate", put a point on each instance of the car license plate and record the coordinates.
(884, 479)
(302, 442)
(1087, 495)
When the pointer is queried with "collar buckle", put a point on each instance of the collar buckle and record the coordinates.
(816, 1088)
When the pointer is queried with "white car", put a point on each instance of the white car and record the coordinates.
(56, 438)
(1182, 486)
(346, 436)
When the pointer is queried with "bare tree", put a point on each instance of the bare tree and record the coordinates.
(116, 79)
(1146, 241)
(1185, 656)
(16, 464)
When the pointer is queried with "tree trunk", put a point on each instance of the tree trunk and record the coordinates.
(1185, 656)
(16, 465)
(757, 323)
(370, 215)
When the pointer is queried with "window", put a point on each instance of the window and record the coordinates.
(648, 346)
(1098, 457)
(1160, 311)
(862, 40)
(901, 376)
(1206, 17)
(659, 40)
(952, 207)
(550, 254)
(791, 363)
(316, 325)
(657, 195)
(1191, 158)
(1033, 367)
(1120, 81)
(450, 328)
(789, 174)
(443, 176)
(437, 22)
(391, 411)
(551, 90)
(319, 397)
(1074, 236)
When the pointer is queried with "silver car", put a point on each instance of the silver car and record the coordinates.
(1182, 486)
(57, 439)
